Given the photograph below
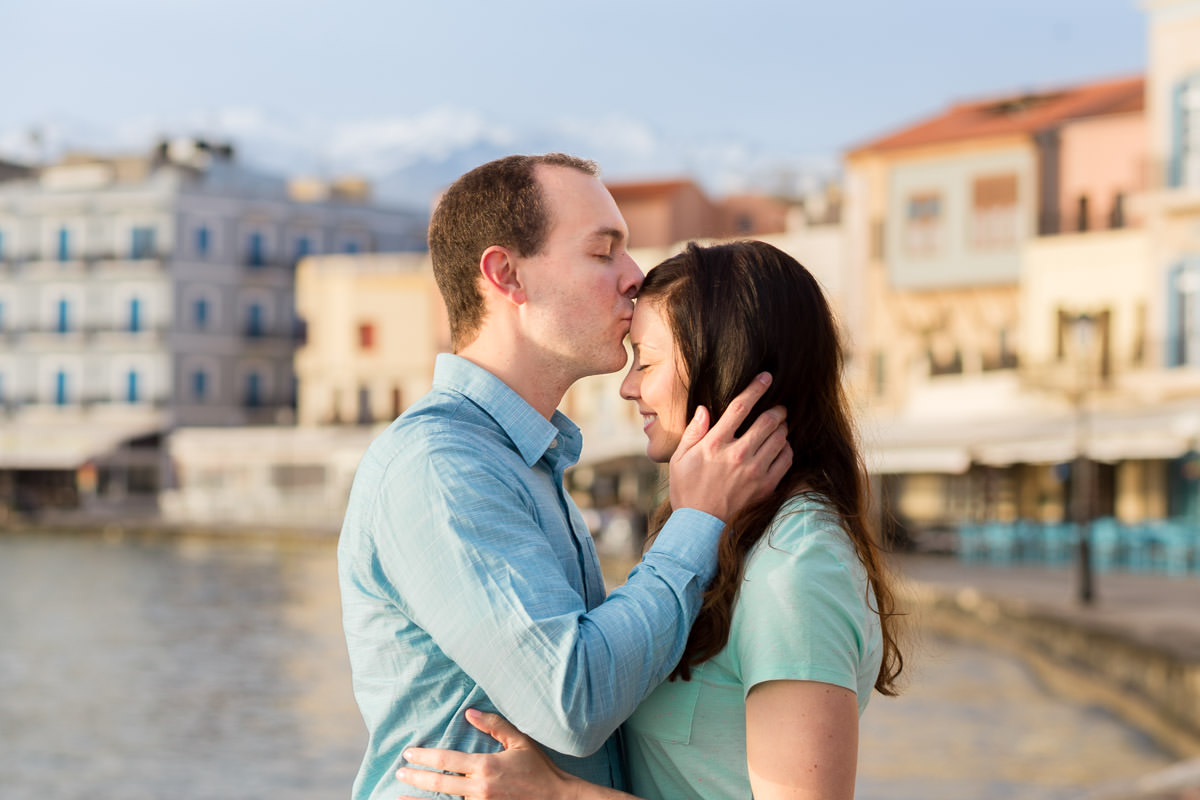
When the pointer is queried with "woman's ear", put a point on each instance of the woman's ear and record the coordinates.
(500, 274)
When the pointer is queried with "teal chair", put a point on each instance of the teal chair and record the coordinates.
(970, 542)
(1107, 544)
(1000, 540)
(1057, 542)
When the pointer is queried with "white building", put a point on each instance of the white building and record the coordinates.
(141, 294)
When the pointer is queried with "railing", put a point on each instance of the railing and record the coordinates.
(266, 335)
(88, 333)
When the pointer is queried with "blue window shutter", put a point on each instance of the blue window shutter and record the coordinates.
(254, 323)
(131, 392)
(199, 384)
(257, 250)
(135, 315)
(200, 312)
(60, 388)
(64, 244)
(64, 316)
(202, 241)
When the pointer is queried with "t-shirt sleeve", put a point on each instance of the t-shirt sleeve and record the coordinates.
(800, 608)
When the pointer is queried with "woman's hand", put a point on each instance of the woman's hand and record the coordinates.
(522, 770)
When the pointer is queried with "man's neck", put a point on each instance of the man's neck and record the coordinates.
(536, 382)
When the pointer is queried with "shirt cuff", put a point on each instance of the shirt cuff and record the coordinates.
(690, 537)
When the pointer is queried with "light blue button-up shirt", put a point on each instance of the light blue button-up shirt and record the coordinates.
(469, 580)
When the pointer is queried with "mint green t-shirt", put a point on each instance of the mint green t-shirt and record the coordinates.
(802, 613)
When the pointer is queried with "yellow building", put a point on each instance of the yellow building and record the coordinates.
(374, 325)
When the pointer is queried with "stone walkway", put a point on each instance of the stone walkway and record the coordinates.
(1157, 612)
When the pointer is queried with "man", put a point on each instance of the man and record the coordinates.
(468, 577)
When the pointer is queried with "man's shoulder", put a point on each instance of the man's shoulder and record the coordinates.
(444, 428)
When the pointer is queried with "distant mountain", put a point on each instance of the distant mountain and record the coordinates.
(410, 159)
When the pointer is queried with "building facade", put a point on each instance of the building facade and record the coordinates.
(141, 294)
(1019, 327)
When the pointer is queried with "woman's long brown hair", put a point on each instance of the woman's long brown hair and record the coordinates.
(735, 310)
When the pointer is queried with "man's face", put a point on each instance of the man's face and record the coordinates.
(581, 285)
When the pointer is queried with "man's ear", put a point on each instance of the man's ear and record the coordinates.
(499, 270)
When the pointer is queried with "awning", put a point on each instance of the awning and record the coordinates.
(899, 460)
(67, 446)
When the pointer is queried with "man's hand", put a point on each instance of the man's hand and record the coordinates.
(715, 472)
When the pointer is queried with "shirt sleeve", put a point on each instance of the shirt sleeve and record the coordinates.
(461, 546)
(800, 609)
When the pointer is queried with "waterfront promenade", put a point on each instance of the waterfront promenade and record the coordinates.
(1135, 650)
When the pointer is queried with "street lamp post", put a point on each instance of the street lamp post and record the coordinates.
(1083, 327)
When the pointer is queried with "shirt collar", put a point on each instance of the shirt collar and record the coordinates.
(533, 435)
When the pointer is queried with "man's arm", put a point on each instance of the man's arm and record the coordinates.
(480, 577)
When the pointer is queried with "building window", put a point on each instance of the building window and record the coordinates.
(200, 313)
(256, 252)
(351, 247)
(366, 336)
(923, 223)
(60, 388)
(1116, 217)
(254, 321)
(1183, 315)
(303, 247)
(253, 396)
(945, 363)
(1082, 214)
(1004, 356)
(64, 244)
(994, 211)
(199, 384)
(64, 316)
(141, 243)
(135, 315)
(203, 241)
(365, 417)
(1185, 152)
(131, 387)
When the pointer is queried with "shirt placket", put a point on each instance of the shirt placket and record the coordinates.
(593, 593)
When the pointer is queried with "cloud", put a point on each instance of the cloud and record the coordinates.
(411, 156)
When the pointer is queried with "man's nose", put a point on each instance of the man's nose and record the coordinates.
(632, 278)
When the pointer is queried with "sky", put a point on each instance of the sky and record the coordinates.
(711, 89)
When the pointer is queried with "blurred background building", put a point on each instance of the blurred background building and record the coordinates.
(140, 294)
(1017, 280)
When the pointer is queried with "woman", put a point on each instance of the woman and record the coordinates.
(798, 625)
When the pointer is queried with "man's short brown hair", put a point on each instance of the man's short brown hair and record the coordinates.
(498, 203)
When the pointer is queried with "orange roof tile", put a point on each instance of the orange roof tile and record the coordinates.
(1024, 113)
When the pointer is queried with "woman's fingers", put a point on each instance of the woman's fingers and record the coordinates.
(740, 407)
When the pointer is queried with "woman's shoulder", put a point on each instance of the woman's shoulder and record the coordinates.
(806, 528)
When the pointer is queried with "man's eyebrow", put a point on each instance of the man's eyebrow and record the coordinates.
(617, 236)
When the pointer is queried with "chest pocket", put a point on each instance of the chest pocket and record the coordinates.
(667, 714)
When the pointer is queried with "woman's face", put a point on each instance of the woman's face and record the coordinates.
(655, 381)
